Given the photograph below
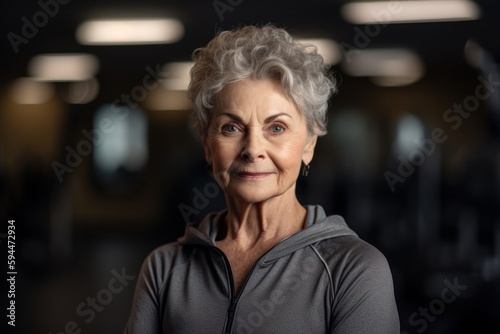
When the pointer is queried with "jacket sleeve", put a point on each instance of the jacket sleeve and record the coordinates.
(145, 313)
(364, 299)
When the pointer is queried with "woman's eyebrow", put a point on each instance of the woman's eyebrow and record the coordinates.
(269, 119)
(273, 117)
(228, 114)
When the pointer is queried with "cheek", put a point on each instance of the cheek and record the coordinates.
(288, 156)
(223, 153)
(220, 164)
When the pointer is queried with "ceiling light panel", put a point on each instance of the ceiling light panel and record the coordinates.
(63, 67)
(387, 67)
(129, 31)
(386, 12)
(29, 91)
(177, 75)
(327, 48)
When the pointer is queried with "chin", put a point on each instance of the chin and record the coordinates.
(253, 194)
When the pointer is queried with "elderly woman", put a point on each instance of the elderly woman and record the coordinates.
(266, 264)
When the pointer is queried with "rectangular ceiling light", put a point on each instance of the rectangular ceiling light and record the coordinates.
(177, 75)
(327, 48)
(129, 31)
(387, 67)
(63, 67)
(386, 12)
(29, 91)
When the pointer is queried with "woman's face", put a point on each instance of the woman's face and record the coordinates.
(256, 141)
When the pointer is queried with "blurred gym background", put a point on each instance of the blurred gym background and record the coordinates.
(99, 164)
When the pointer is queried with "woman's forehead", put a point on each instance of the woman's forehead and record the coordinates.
(245, 95)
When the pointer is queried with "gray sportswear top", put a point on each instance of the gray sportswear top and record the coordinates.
(323, 279)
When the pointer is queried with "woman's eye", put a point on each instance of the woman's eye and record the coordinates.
(277, 128)
(229, 128)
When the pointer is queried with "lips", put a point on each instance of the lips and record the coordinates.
(252, 175)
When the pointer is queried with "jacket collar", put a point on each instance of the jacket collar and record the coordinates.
(318, 227)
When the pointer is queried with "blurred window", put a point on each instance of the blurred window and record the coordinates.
(120, 144)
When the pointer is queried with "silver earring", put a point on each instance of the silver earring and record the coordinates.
(305, 169)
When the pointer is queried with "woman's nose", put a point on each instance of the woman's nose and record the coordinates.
(253, 148)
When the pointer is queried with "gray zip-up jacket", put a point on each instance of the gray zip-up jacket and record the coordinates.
(323, 279)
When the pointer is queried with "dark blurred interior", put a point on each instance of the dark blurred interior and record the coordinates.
(412, 160)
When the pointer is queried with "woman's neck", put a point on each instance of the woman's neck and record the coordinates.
(268, 222)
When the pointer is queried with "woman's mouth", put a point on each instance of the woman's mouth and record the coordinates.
(252, 175)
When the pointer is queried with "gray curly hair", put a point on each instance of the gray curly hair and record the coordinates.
(264, 52)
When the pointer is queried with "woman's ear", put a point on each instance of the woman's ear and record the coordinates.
(308, 153)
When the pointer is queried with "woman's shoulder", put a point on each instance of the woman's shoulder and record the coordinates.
(161, 262)
(337, 241)
(164, 252)
(164, 249)
(361, 281)
(351, 253)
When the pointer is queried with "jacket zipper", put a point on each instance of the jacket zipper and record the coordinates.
(230, 316)
(234, 299)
